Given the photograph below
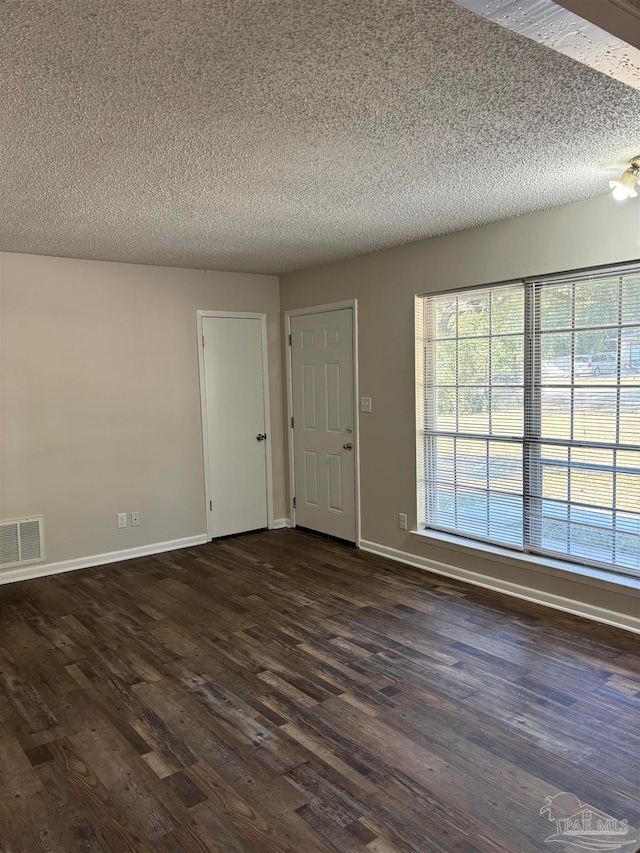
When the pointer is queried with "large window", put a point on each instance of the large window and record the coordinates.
(529, 416)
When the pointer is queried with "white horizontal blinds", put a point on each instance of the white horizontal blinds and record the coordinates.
(529, 416)
(584, 424)
(473, 413)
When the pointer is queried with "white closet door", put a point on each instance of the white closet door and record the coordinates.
(236, 429)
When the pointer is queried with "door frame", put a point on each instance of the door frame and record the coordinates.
(301, 312)
(202, 314)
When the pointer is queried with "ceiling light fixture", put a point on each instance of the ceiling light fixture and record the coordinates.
(625, 187)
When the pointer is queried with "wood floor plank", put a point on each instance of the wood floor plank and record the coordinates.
(281, 692)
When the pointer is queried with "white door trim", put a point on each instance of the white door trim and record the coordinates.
(321, 309)
(238, 315)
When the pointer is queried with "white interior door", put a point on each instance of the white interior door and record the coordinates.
(324, 426)
(234, 407)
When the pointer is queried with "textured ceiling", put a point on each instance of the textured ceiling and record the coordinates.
(566, 31)
(269, 136)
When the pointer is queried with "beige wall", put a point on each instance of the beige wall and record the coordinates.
(594, 232)
(100, 397)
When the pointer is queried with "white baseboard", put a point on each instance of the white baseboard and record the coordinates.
(40, 570)
(537, 596)
(279, 523)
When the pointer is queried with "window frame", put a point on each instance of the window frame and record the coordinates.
(532, 439)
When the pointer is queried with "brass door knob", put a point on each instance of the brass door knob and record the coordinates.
(347, 446)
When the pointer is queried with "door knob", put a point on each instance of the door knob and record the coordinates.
(261, 436)
(347, 446)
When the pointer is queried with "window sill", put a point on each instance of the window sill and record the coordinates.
(546, 565)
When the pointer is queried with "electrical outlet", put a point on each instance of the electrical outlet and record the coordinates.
(402, 521)
(135, 519)
(122, 519)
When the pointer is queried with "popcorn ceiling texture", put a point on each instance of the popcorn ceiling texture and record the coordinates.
(550, 24)
(271, 136)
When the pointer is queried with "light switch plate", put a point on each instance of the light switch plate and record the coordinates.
(365, 404)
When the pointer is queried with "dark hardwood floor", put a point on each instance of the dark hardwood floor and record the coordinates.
(283, 692)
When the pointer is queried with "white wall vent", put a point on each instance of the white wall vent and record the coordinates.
(21, 541)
